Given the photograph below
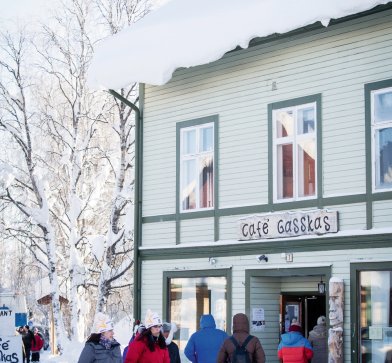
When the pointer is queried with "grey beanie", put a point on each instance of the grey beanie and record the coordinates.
(166, 327)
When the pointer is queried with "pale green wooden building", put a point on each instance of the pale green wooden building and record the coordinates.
(299, 123)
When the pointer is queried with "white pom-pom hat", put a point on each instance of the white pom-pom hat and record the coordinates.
(102, 323)
(152, 318)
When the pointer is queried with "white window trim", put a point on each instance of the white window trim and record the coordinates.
(293, 139)
(374, 127)
(198, 157)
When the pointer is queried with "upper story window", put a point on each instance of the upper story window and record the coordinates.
(381, 121)
(197, 167)
(295, 152)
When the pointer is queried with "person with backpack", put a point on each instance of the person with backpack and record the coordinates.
(241, 347)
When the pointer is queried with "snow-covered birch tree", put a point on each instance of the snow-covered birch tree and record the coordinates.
(117, 258)
(71, 121)
(25, 189)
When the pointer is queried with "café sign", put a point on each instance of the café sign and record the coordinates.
(288, 224)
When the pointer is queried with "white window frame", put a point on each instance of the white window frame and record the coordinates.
(294, 140)
(198, 156)
(376, 127)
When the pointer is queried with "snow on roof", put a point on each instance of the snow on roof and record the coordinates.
(186, 33)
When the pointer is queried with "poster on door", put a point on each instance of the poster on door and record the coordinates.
(258, 319)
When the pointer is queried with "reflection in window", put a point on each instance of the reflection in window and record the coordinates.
(189, 298)
(382, 131)
(296, 151)
(197, 167)
(375, 316)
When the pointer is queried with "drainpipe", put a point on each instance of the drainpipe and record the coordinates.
(137, 203)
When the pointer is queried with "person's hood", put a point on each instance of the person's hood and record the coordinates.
(240, 323)
(207, 321)
(291, 338)
(319, 331)
(173, 329)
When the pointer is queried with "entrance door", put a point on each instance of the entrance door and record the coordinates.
(304, 307)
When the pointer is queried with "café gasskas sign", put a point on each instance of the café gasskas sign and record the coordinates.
(288, 224)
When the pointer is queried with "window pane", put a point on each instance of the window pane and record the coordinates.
(188, 190)
(207, 139)
(306, 167)
(189, 142)
(383, 106)
(285, 171)
(306, 120)
(189, 298)
(384, 158)
(206, 182)
(284, 123)
(375, 316)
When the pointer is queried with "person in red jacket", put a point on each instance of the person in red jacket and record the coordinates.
(294, 347)
(150, 345)
(36, 346)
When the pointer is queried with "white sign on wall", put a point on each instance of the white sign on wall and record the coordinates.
(11, 349)
(288, 224)
(7, 321)
(258, 319)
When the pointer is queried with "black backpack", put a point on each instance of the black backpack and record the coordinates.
(240, 354)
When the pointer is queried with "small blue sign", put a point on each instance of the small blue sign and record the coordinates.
(20, 319)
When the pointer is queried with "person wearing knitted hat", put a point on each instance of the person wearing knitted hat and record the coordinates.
(150, 344)
(168, 330)
(294, 347)
(101, 346)
(318, 339)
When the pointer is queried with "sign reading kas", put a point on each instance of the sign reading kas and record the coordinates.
(289, 224)
(11, 349)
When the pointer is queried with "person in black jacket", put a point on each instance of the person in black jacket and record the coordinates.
(27, 339)
(168, 331)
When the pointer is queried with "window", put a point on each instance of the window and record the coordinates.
(381, 120)
(375, 316)
(191, 297)
(197, 167)
(295, 152)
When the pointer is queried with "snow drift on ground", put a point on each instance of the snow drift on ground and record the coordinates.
(186, 33)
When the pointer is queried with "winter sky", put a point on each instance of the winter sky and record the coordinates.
(22, 10)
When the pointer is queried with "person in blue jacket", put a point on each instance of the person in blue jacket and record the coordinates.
(203, 346)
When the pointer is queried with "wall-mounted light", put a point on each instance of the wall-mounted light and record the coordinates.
(262, 258)
(321, 286)
(212, 260)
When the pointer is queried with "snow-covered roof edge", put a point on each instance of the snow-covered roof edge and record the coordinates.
(186, 33)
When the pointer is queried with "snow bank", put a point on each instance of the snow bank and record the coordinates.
(186, 33)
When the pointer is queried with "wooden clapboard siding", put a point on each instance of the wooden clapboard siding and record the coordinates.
(162, 233)
(336, 62)
(197, 230)
(382, 214)
(265, 290)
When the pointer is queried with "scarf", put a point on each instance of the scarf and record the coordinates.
(106, 342)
